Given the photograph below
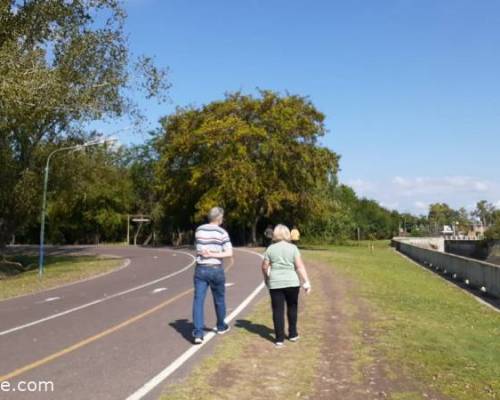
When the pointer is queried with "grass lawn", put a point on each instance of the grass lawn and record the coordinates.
(426, 327)
(426, 338)
(59, 270)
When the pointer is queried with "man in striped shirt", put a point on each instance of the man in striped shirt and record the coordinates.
(212, 246)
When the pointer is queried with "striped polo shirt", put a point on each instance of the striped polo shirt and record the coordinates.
(213, 238)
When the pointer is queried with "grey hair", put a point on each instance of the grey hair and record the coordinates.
(215, 213)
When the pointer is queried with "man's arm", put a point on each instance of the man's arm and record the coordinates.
(223, 254)
(227, 250)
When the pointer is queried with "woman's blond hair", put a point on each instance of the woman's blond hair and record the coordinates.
(281, 232)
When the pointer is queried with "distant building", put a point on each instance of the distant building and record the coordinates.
(476, 232)
(447, 231)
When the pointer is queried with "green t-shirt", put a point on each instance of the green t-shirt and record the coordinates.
(282, 255)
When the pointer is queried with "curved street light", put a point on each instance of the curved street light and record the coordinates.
(44, 196)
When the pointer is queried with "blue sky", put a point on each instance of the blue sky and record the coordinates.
(410, 89)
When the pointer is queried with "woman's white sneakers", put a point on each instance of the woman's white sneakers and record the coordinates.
(198, 340)
(291, 339)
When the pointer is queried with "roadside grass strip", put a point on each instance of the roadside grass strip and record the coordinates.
(59, 270)
(426, 328)
(375, 326)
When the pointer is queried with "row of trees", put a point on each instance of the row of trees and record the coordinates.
(64, 64)
(485, 216)
(256, 156)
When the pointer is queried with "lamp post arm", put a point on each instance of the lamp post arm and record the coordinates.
(44, 195)
(41, 254)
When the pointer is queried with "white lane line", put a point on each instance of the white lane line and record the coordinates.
(169, 370)
(229, 284)
(49, 299)
(158, 290)
(92, 303)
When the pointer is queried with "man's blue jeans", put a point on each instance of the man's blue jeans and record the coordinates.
(203, 278)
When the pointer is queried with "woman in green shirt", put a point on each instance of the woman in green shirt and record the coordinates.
(283, 271)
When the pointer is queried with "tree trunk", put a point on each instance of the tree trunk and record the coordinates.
(254, 230)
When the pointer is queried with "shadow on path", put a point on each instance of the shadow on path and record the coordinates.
(257, 329)
(184, 327)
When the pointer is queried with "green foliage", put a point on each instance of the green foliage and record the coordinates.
(375, 221)
(463, 220)
(335, 222)
(255, 156)
(493, 233)
(140, 161)
(61, 63)
(92, 204)
(345, 216)
(485, 212)
(441, 214)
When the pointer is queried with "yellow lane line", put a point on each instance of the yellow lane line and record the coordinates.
(98, 336)
(90, 339)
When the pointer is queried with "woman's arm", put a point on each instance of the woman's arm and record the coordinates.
(266, 265)
(301, 270)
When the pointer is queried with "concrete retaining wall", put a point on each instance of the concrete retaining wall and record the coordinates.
(431, 243)
(488, 251)
(467, 248)
(478, 274)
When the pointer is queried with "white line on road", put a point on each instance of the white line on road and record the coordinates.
(83, 306)
(158, 290)
(169, 370)
(229, 284)
(49, 299)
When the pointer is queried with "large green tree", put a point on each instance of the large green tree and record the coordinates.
(61, 62)
(375, 221)
(95, 194)
(257, 156)
(441, 214)
(335, 221)
(484, 212)
(493, 233)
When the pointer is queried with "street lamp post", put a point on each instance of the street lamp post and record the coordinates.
(44, 195)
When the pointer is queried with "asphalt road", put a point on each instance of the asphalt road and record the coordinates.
(104, 338)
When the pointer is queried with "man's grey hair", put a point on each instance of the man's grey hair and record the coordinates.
(215, 213)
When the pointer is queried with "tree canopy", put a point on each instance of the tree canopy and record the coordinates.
(255, 156)
(66, 63)
(61, 63)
